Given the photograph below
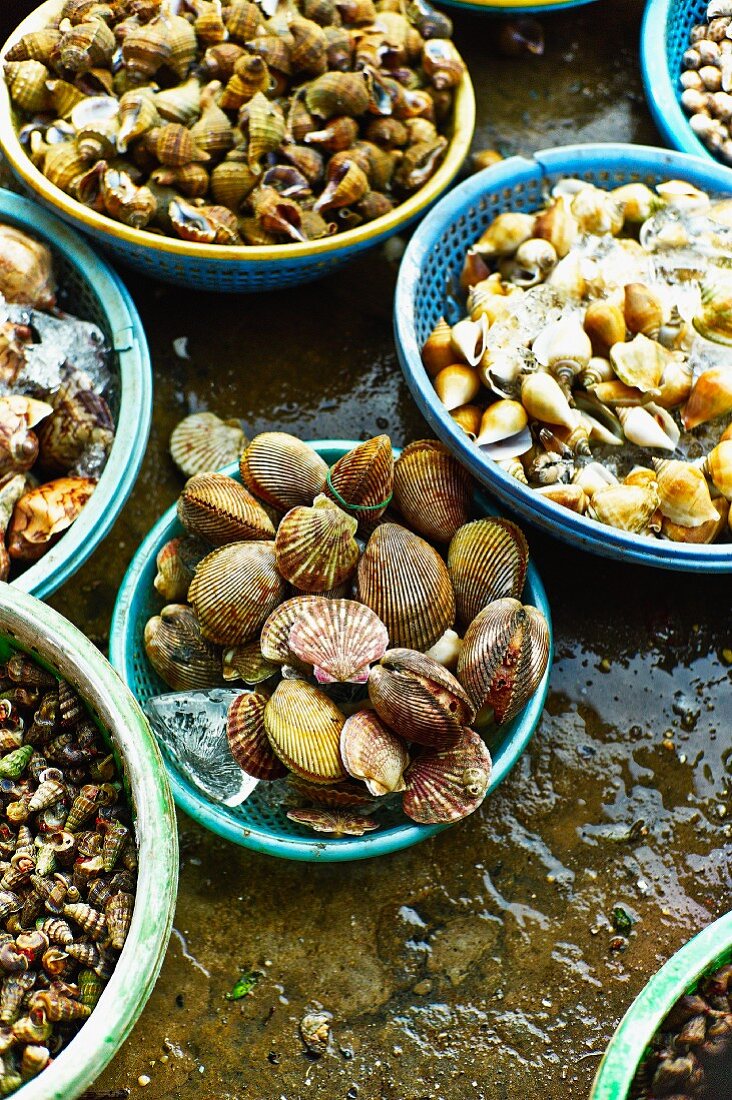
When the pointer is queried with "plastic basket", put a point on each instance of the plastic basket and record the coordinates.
(664, 38)
(92, 291)
(254, 824)
(701, 956)
(516, 7)
(30, 626)
(219, 267)
(432, 264)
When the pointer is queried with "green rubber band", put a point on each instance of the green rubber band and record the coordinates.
(356, 507)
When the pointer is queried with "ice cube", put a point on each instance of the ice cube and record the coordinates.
(191, 729)
(92, 462)
(61, 339)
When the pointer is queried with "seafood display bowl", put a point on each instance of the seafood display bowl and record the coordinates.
(236, 268)
(664, 39)
(28, 626)
(431, 268)
(701, 956)
(515, 7)
(92, 291)
(256, 823)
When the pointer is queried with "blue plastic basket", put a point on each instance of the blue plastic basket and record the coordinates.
(255, 824)
(664, 38)
(92, 291)
(432, 264)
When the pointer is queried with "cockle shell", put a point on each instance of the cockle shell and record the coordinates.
(339, 638)
(176, 563)
(178, 652)
(26, 269)
(627, 507)
(275, 635)
(248, 740)
(315, 546)
(710, 397)
(373, 753)
(246, 662)
(419, 698)
(487, 560)
(304, 728)
(234, 590)
(44, 513)
(445, 785)
(362, 480)
(504, 656)
(432, 490)
(405, 581)
(337, 823)
(220, 510)
(203, 443)
(684, 494)
(282, 470)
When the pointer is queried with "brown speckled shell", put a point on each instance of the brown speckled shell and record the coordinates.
(419, 699)
(304, 729)
(333, 822)
(432, 490)
(373, 753)
(248, 740)
(178, 652)
(220, 510)
(339, 638)
(446, 785)
(364, 477)
(42, 514)
(234, 590)
(315, 546)
(487, 561)
(282, 470)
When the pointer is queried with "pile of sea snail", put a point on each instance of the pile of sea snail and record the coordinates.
(53, 444)
(706, 80)
(583, 363)
(344, 619)
(689, 1057)
(68, 863)
(219, 125)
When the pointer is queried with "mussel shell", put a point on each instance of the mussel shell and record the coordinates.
(315, 546)
(405, 581)
(487, 560)
(362, 481)
(203, 442)
(419, 699)
(282, 470)
(220, 510)
(443, 786)
(304, 729)
(248, 740)
(432, 490)
(504, 657)
(234, 590)
(373, 753)
(340, 638)
(178, 652)
(275, 636)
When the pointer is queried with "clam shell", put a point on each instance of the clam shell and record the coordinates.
(247, 737)
(176, 562)
(282, 470)
(275, 635)
(245, 662)
(504, 656)
(446, 785)
(419, 698)
(405, 581)
(340, 638)
(432, 490)
(234, 590)
(220, 510)
(178, 652)
(336, 823)
(371, 752)
(487, 560)
(336, 795)
(202, 443)
(315, 547)
(304, 729)
(364, 479)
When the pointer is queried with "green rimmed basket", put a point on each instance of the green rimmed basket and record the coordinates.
(30, 626)
(256, 823)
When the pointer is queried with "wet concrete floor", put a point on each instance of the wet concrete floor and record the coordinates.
(480, 964)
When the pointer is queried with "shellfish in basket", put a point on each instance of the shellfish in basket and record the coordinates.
(376, 630)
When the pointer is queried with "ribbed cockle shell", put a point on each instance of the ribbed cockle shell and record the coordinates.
(234, 590)
(176, 563)
(246, 662)
(220, 510)
(419, 698)
(373, 753)
(275, 636)
(315, 547)
(339, 638)
(304, 728)
(248, 740)
(362, 481)
(504, 657)
(203, 443)
(432, 490)
(445, 785)
(282, 470)
(405, 581)
(487, 560)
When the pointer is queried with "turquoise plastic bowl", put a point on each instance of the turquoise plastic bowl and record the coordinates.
(431, 268)
(516, 7)
(664, 38)
(701, 956)
(254, 824)
(92, 291)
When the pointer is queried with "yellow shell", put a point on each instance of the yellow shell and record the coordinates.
(643, 310)
(234, 590)
(640, 363)
(336, 93)
(315, 546)
(26, 270)
(505, 233)
(178, 652)
(266, 129)
(282, 470)
(219, 510)
(26, 81)
(543, 399)
(45, 512)
(437, 352)
(406, 583)
(706, 533)
(710, 397)
(432, 490)
(718, 466)
(487, 561)
(604, 323)
(684, 494)
(627, 507)
(304, 728)
(202, 443)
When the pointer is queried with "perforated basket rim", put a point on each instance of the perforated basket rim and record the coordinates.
(115, 232)
(599, 159)
(217, 818)
(506, 7)
(135, 393)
